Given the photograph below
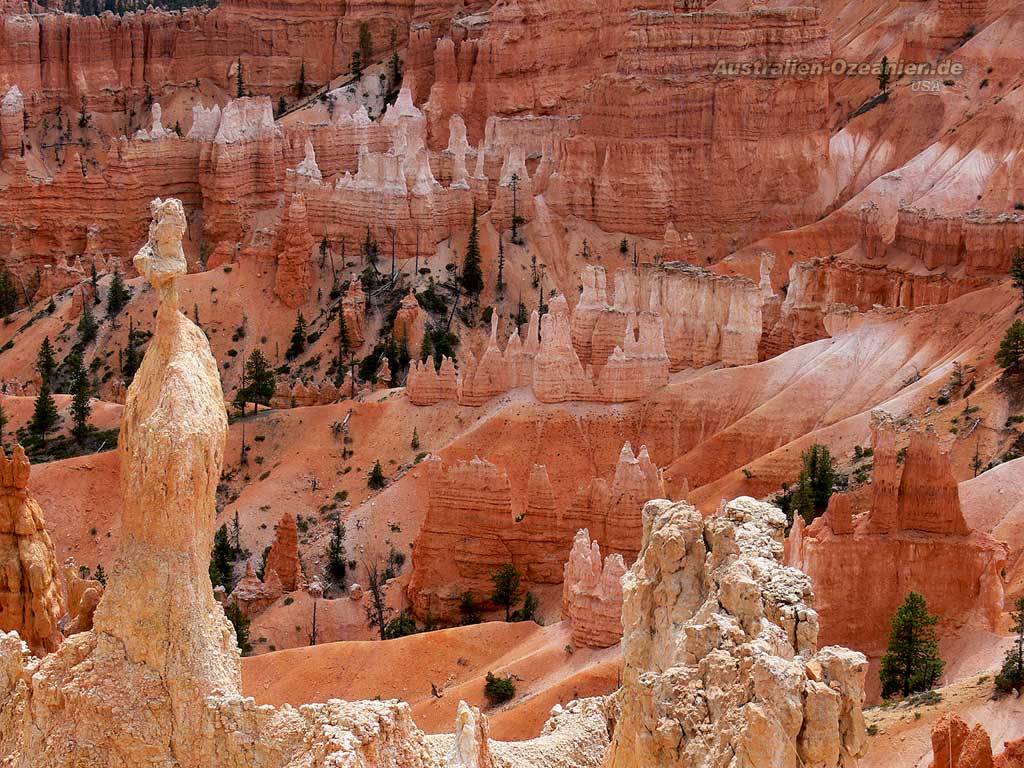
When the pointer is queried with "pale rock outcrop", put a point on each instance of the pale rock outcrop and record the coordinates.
(157, 130)
(472, 736)
(31, 602)
(720, 651)
(83, 597)
(12, 123)
(283, 558)
(294, 278)
(308, 166)
(592, 594)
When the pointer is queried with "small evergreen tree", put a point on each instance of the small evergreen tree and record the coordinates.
(624, 246)
(8, 293)
(282, 106)
(44, 416)
(415, 442)
(336, 561)
(528, 612)
(1011, 351)
(469, 608)
(498, 690)
(236, 536)
(506, 584)
(1011, 676)
(298, 340)
(365, 42)
(301, 85)
(402, 625)
(241, 625)
(1017, 270)
(118, 295)
(817, 481)
(3, 423)
(220, 558)
(80, 403)
(100, 575)
(884, 74)
(132, 358)
(472, 275)
(46, 365)
(262, 380)
(376, 480)
(87, 326)
(357, 65)
(239, 81)
(911, 662)
(500, 285)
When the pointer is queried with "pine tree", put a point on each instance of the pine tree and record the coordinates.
(472, 276)
(220, 558)
(100, 575)
(94, 278)
(132, 358)
(365, 43)
(506, 584)
(241, 625)
(911, 662)
(236, 536)
(357, 65)
(80, 403)
(298, 341)
(884, 74)
(1017, 270)
(1011, 677)
(3, 423)
(44, 417)
(8, 293)
(301, 85)
(118, 295)
(817, 480)
(239, 82)
(1011, 351)
(262, 380)
(376, 480)
(499, 287)
(87, 326)
(45, 363)
(415, 443)
(336, 558)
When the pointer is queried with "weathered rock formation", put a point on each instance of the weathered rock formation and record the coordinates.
(956, 745)
(474, 525)
(592, 594)
(83, 597)
(156, 681)
(31, 602)
(253, 595)
(283, 558)
(353, 305)
(720, 651)
(913, 538)
(294, 277)
(610, 351)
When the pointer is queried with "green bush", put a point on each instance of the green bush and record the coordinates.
(498, 690)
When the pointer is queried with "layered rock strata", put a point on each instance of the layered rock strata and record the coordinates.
(914, 534)
(31, 600)
(283, 558)
(474, 525)
(720, 651)
(592, 594)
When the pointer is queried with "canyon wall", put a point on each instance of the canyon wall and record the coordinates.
(474, 525)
